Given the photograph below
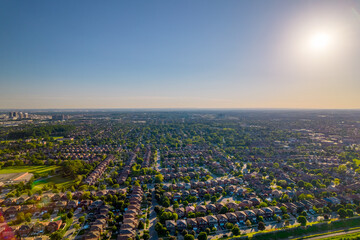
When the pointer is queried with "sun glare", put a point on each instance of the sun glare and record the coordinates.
(320, 41)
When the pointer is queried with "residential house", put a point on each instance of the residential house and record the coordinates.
(181, 224)
(212, 220)
(241, 216)
(255, 201)
(170, 225)
(72, 204)
(231, 217)
(39, 228)
(180, 212)
(232, 205)
(211, 207)
(250, 214)
(276, 210)
(24, 230)
(189, 209)
(54, 226)
(201, 208)
(222, 219)
(12, 211)
(192, 223)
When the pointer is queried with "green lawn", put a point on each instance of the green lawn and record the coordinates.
(344, 236)
(58, 180)
(56, 138)
(31, 169)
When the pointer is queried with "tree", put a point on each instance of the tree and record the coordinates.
(224, 210)
(308, 186)
(261, 226)
(159, 178)
(202, 236)
(70, 215)
(283, 209)
(56, 236)
(342, 169)
(189, 237)
(349, 212)
(2, 219)
(235, 230)
(28, 217)
(76, 226)
(184, 232)
(82, 219)
(285, 198)
(207, 197)
(158, 209)
(327, 210)
(302, 220)
(229, 225)
(20, 217)
(342, 213)
(69, 196)
(248, 223)
(301, 183)
(146, 236)
(161, 230)
(141, 225)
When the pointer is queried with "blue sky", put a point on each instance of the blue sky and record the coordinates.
(177, 54)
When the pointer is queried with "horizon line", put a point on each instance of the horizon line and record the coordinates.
(174, 109)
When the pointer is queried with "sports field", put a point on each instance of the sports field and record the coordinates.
(30, 169)
(38, 184)
(58, 180)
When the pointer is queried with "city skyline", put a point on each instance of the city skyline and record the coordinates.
(160, 54)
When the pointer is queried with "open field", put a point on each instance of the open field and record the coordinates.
(30, 169)
(341, 235)
(351, 232)
(10, 178)
(58, 180)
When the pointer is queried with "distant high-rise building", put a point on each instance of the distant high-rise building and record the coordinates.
(18, 115)
(61, 117)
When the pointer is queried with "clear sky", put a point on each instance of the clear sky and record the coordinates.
(179, 54)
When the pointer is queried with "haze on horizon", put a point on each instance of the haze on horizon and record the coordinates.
(179, 54)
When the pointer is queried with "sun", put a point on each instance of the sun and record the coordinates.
(320, 41)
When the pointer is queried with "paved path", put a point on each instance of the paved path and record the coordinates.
(153, 220)
(157, 166)
(334, 234)
(69, 233)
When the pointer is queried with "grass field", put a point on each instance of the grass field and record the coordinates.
(58, 180)
(344, 236)
(56, 138)
(31, 169)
